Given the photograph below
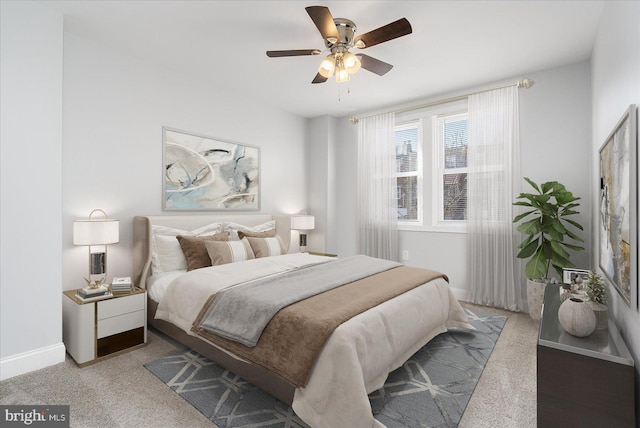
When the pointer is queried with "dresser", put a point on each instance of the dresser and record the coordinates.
(582, 381)
(96, 330)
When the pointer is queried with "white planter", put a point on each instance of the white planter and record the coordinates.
(535, 297)
(576, 317)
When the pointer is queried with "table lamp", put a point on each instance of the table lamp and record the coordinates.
(303, 223)
(96, 233)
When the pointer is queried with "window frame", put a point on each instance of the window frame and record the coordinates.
(427, 189)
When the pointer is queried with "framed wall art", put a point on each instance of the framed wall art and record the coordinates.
(618, 217)
(205, 173)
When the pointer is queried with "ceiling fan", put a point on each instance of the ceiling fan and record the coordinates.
(338, 35)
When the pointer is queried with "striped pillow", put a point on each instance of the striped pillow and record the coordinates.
(223, 252)
(265, 247)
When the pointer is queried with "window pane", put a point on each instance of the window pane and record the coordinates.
(455, 144)
(407, 198)
(454, 197)
(406, 150)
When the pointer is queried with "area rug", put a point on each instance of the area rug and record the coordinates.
(431, 389)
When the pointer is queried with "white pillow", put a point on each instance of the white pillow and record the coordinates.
(233, 228)
(166, 253)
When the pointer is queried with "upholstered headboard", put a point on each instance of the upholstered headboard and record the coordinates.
(142, 233)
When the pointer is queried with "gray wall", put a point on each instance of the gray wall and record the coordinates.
(616, 84)
(31, 157)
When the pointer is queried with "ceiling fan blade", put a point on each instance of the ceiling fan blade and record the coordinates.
(396, 29)
(295, 52)
(319, 79)
(374, 65)
(321, 16)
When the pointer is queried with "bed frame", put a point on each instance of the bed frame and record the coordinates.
(258, 376)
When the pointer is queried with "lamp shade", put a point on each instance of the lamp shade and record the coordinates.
(302, 222)
(96, 232)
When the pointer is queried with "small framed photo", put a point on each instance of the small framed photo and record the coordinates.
(574, 276)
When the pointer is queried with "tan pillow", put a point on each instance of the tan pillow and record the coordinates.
(265, 247)
(195, 251)
(225, 252)
(250, 234)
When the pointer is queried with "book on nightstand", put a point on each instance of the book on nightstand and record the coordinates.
(121, 285)
(88, 294)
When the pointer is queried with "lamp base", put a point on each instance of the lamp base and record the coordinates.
(303, 242)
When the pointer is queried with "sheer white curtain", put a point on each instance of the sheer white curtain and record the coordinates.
(377, 204)
(493, 182)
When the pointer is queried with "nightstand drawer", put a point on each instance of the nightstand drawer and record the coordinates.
(122, 305)
(118, 324)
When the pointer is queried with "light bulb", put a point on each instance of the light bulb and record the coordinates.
(351, 62)
(327, 66)
(342, 75)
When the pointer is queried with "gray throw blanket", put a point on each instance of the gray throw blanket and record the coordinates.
(242, 312)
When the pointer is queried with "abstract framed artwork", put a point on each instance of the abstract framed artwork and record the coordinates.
(205, 173)
(618, 217)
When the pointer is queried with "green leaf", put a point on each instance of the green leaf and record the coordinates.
(530, 227)
(528, 250)
(521, 216)
(557, 226)
(573, 247)
(557, 248)
(549, 185)
(523, 204)
(527, 241)
(576, 224)
(537, 266)
(565, 197)
(534, 185)
(572, 235)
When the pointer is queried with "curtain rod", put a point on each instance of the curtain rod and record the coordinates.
(522, 83)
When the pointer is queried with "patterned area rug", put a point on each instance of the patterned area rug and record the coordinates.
(431, 389)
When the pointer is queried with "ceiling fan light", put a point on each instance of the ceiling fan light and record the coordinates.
(351, 62)
(327, 66)
(342, 75)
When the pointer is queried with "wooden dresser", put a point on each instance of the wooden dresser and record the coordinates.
(582, 382)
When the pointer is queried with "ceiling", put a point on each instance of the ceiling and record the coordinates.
(454, 45)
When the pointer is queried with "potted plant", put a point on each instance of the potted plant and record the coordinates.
(547, 229)
(597, 294)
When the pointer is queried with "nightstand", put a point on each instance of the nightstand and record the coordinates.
(93, 331)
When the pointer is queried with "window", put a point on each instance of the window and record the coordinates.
(431, 168)
(408, 171)
(450, 146)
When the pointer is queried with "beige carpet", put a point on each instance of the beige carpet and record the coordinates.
(120, 392)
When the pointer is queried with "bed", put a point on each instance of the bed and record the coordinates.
(355, 359)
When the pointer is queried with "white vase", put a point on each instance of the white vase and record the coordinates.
(576, 317)
(535, 297)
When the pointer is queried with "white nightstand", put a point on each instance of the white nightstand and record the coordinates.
(93, 331)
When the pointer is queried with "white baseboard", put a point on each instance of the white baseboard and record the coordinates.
(460, 294)
(32, 360)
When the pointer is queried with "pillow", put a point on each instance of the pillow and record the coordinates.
(195, 251)
(223, 252)
(166, 254)
(266, 234)
(233, 228)
(265, 247)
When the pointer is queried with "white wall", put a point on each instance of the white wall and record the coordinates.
(555, 145)
(114, 110)
(31, 187)
(615, 65)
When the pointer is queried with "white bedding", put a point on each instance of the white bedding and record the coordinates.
(356, 359)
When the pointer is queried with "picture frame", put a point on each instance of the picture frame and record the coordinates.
(208, 173)
(570, 276)
(618, 205)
